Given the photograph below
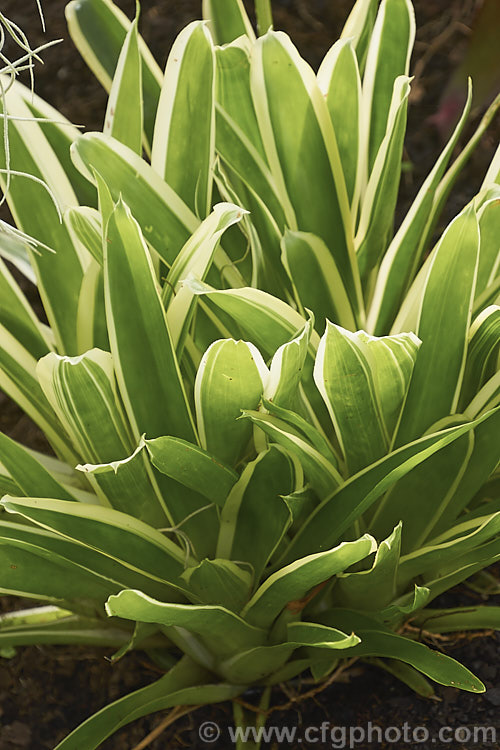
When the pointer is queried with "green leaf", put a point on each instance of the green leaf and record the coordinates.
(28, 473)
(124, 113)
(321, 473)
(481, 464)
(18, 317)
(291, 669)
(459, 619)
(261, 662)
(293, 581)
(403, 255)
(482, 353)
(53, 625)
(255, 517)
(128, 486)
(142, 632)
(192, 467)
(488, 398)
(195, 259)
(82, 391)
(256, 664)
(98, 29)
(459, 471)
(109, 574)
(364, 381)
(301, 425)
(154, 396)
(35, 572)
(339, 80)
(436, 554)
(359, 27)
(303, 150)
(420, 508)
(463, 568)
(264, 15)
(220, 582)
(374, 588)
(120, 536)
(184, 136)
(221, 628)
(84, 225)
(316, 280)
(238, 137)
(14, 247)
(489, 228)
(338, 511)
(18, 380)
(267, 321)
(320, 636)
(227, 21)
(443, 293)
(388, 57)
(493, 173)
(58, 281)
(285, 371)
(91, 329)
(379, 200)
(7, 485)
(434, 664)
(263, 236)
(405, 605)
(60, 133)
(231, 377)
(165, 220)
(453, 172)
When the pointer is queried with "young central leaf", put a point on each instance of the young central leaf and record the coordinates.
(364, 381)
(231, 377)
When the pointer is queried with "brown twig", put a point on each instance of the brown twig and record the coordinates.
(299, 697)
(171, 717)
(307, 17)
(319, 689)
(433, 48)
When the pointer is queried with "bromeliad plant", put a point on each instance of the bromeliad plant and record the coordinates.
(275, 421)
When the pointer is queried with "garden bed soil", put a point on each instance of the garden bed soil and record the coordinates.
(46, 691)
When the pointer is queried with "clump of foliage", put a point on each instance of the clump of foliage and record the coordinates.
(275, 421)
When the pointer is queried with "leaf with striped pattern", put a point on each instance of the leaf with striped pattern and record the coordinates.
(98, 29)
(184, 136)
(227, 21)
(83, 393)
(153, 394)
(388, 57)
(123, 121)
(231, 377)
(364, 381)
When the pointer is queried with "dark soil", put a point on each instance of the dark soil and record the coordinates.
(46, 691)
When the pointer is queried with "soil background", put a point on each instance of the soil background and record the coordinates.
(46, 691)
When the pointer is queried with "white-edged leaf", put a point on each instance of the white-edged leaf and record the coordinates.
(364, 381)
(82, 391)
(184, 135)
(292, 582)
(388, 57)
(231, 377)
(195, 259)
(439, 306)
(124, 113)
